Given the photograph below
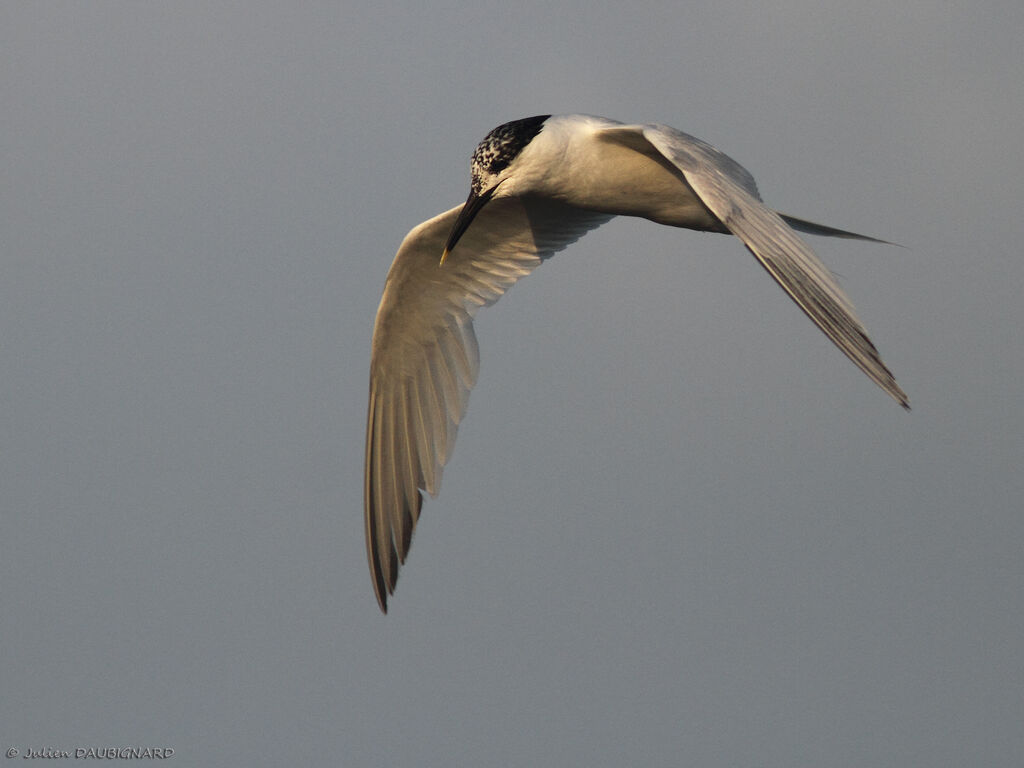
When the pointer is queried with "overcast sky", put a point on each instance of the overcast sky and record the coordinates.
(679, 527)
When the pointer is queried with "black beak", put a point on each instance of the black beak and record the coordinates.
(469, 211)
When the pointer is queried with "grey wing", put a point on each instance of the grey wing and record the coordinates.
(425, 359)
(729, 193)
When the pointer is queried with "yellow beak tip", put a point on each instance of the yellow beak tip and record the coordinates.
(444, 255)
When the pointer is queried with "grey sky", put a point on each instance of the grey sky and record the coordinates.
(679, 527)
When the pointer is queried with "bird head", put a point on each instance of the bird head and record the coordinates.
(493, 163)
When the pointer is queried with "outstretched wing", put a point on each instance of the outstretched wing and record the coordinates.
(728, 191)
(425, 358)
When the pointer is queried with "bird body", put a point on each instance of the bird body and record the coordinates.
(537, 185)
(600, 165)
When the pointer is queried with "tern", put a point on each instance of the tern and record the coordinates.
(537, 185)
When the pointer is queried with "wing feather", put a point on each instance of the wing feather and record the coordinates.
(730, 194)
(425, 356)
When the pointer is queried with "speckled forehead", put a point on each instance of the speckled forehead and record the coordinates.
(501, 146)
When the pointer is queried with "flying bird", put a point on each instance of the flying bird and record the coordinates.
(537, 185)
